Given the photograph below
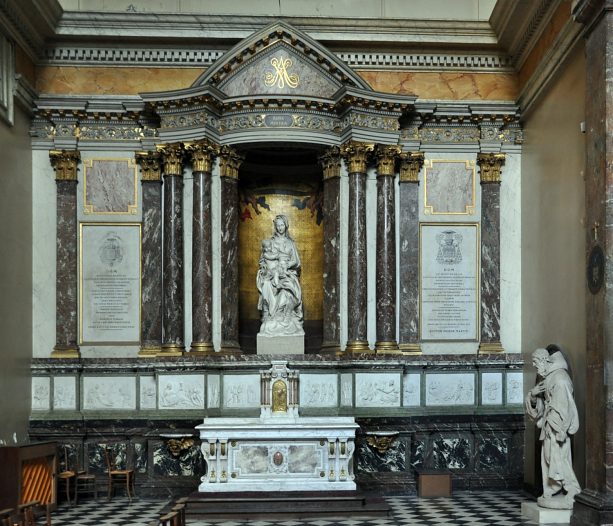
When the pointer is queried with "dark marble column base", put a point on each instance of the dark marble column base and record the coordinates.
(358, 347)
(410, 348)
(202, 348)
(171, 349)
(387, 347)
(66, 351)
(330, 348)
(149, 352)
(591, 509)
(229, 348)
(490, 347)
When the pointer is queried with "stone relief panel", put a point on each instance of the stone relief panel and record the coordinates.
(279, 71)
(181, 391)
(241, 391)
(515, 388)
(148, 392)
(346, 389)
(213, 390)
(450, 389)
(41, 390)
(109, 392)
(110, 186)
(318, 390)
(449, 187)
(411, 395)
(377, 390)
(491, 388)
(65, 392)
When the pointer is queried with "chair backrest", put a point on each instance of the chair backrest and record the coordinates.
(30, 511)
(170, 519)
(180, 509)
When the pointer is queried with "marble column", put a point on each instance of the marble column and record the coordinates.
(151, 254)
(490, 166)
(594, 505)
(229, 163)
(65, 164)
(386, 250)
(356, 156)
(173, 319)
(331, 163)
(203, 154)
(408, 216)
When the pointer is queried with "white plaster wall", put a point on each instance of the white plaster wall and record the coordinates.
(553, 286)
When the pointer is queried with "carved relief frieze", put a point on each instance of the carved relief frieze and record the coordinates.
(450, 134)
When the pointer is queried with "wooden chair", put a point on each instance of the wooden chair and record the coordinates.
(180, 509)
(85, 483)
(31, 511)
(170, 519)
(5, 516)
(118, 476)
(66, 477)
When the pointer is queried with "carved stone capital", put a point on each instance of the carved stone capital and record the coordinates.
(229, 162)
(331, 162)
(357, 155)
(410, 165)
(172, 159)
(65, 163)
(385, 157)
(149, 165)
(490, 165)
(202, 154)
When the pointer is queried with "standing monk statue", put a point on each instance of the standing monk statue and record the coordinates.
(551, 405)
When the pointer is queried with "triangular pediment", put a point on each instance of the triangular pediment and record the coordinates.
(280, 60)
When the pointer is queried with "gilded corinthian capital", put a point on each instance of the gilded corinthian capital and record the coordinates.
(172, 159)
(229, 162)
(65, 163)
(410, 165)
(386, 159)
(149, 165)
(202, 154)
(490, 165)
(330, 161)
(357, 155)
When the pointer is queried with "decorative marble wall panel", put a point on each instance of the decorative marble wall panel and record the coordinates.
(515, 388)
(411, 395)
(110, 186)
(347, 389)
(451, 453)
(394, 459)
(181, 391)
(213, 390)
(377, 390)
(450, 389)
(148, 392)
(189, 463)
(118, 453)
(318, 390)
(140, 457)
(491, 388)
(449, 187)
(418, 453)
(64, 392)
(41, 391)
(492, 453)
(109, 392)
(241, 391)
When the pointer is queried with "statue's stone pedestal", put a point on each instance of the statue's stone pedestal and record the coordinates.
(280, 344)
(531, 511)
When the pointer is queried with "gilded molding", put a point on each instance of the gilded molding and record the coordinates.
(490, 347)
(357, 155)
(202, 154)
(410, 166)
(65, 163)
(381, 442)
(177, 446)
(172, 159)
(149, 163)
(490, 165)
(229, 162)
(331, 162)
(358, 347)
(387, 347)
(386, 159)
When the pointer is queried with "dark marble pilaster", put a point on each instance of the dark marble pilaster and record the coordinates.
(203, 155)
(173, 338)
(331, 163)
(408, 216)
(386, 249)
(65, 163)
(230, 162)
(151, 255)
(356, 157)
(490, 165)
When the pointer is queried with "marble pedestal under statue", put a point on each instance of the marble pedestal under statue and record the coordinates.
(531, 511)
(280, 344)
(280, 450)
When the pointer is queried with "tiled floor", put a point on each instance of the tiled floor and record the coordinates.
(484, 508)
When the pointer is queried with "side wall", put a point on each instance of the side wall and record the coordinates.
(553, 240)
(16, 283)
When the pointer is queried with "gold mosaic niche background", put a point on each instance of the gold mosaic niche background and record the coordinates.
(308, 236)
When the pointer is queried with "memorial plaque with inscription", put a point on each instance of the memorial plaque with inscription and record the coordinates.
(110, 283)
(449, 282)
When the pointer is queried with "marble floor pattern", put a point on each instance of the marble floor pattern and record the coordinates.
(484, 508)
